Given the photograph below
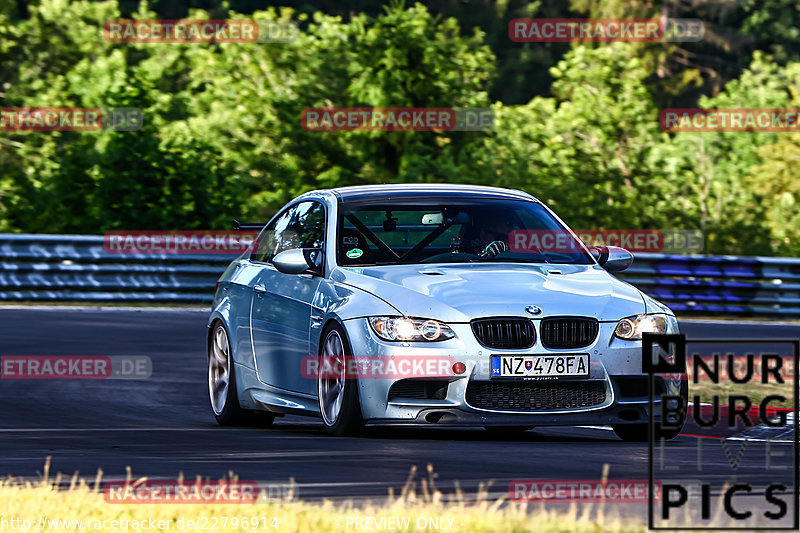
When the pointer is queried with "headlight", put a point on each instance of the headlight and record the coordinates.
(410, 329)
(631, 328)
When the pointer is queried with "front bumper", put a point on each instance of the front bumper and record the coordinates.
(615, 367)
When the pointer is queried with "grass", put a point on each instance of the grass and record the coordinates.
(78, 499)
(33, 502)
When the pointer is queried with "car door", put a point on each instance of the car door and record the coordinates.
(280, 313)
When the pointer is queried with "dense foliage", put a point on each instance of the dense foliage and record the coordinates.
(576, 124)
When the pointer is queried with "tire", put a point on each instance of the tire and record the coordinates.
(640, 432)
(222, 385)
(507, 432)
(339, 404)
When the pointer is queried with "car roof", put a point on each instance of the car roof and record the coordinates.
(421, 190)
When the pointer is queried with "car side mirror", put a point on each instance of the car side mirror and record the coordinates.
(612, 258)
(298, 261)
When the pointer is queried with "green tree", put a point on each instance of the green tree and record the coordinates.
(249, 100)
(715, 164)
(590, 151)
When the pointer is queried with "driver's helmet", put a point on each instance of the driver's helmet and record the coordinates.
(487, 227)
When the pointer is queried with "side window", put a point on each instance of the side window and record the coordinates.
(309, 224)
(300, 226)
(270, 237)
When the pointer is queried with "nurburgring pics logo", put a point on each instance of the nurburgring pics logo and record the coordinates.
(178, 242)
(199, 31)
(756, 484)
(717, 369)
(554, 30)
(730, 120)
(70, 119)
(397, 119)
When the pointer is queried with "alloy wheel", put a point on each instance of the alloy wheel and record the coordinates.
(219, 369)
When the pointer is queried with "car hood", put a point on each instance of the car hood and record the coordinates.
(460, 293)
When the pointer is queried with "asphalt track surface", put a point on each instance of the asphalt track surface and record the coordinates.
(162, 427)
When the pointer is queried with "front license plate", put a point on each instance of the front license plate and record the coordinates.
(540, 366)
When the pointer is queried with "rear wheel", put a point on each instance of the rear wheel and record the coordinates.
(339, 404)
(222, 385)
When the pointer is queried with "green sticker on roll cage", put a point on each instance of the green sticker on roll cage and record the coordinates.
(355, 253)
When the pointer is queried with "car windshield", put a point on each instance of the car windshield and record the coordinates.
(453, 231)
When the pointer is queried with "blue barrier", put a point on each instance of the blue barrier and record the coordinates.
(79, 268)
(720, 284)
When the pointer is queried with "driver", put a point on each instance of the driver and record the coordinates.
(491, 236)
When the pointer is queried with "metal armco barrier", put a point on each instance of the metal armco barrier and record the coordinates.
(78, 268)
(724, 285)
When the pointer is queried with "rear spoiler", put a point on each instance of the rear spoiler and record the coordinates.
(247, 226)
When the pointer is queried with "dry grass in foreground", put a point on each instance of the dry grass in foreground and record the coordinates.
(81, 506)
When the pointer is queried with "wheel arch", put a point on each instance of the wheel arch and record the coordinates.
(330, 321)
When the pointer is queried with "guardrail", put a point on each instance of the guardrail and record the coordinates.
(720, 284)
(78, 268)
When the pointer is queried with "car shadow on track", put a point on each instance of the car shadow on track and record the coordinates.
(559, 434)
(478, 434)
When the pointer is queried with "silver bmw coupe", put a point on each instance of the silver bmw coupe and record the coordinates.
(431, 305)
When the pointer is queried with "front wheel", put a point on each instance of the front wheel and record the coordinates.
(339, 404)
(222, 385)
